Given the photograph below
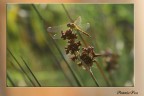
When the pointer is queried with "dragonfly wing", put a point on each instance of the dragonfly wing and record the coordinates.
(78, 21)
(85, 27)
(57, 28)
(55, 31)
(55, 35)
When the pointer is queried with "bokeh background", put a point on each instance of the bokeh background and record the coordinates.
(29, 44)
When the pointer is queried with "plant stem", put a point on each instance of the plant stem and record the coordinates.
(93, 77)
(20, 66)
(67, 13)
(38, 12)
(11, 81)
(102, 72)
(31, 72)
(87, 69)
(27, 76)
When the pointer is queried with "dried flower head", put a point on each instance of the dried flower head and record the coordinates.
(88, 55)
(68, 35)
(85, 57)
(74, 58)
(111, 60)
(72, 47)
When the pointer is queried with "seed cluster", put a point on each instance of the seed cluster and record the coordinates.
(72, 46)
(85, 55)
(111, 60)
(88, 55)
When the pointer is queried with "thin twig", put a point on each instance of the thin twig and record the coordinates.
(102, 72)
(93, 77)
(67, 13)
(38, 12)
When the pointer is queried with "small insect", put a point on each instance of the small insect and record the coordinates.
(55, 31)
(73, 26)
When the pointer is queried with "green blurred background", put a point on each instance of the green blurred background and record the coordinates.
(112, 27)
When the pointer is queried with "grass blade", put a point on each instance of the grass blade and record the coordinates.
(31, 72)
(11, 81)
(33, 84)
(21, 67)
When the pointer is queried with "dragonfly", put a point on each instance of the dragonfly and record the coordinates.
(76, 26)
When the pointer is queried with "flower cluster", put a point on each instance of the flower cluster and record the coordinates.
(68, 35)
(111, 60)
(73, 46)
(88, 55)
(85, 56)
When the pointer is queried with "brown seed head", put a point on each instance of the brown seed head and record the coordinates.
(68, 35)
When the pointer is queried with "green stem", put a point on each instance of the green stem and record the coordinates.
(20, 66)
(87, 69)
(103, 74)
(31, 72)
(11, 81)
(27, 76)
(38, 12)
(67, 13)
(93, 77)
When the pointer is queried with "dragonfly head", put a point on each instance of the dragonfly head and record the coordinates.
(71, 25)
